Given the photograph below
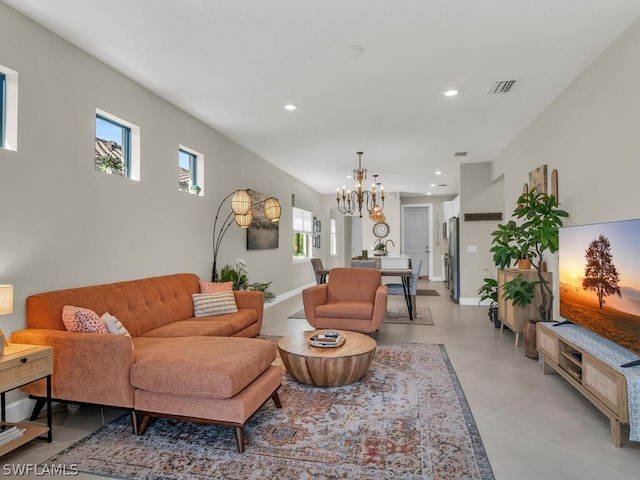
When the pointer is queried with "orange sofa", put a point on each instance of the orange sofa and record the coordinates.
(353, 299)
(173, 364)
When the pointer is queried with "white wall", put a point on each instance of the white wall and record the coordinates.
(63, 224)
(478, 195)
(590, 135)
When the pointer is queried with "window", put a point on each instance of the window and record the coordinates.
(117, 150)
(112, 153)
(190, 166)
(3, 115)
(302, 232)
(334, 240)
(8, 108)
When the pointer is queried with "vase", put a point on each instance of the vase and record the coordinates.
(530, 343)
(524, 264)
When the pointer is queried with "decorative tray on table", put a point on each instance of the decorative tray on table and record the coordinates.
(327, 339)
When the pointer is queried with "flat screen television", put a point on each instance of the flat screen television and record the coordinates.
(599, 279)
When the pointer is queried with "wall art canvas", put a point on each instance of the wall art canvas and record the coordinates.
(262, 234)
(538, 179)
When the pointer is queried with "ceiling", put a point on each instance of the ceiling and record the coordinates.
(235, 64)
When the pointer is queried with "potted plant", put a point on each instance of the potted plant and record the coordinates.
(196, 189)
(538, 233)
(380, 249)
(489, 291)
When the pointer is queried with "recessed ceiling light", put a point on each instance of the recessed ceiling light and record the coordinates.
(450, 93)
(432, 185)
(290, 107)
(428, 193)
(438, 172)
(355, 50)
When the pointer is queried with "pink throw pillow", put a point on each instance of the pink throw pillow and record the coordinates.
(78, 319)
(215, 287)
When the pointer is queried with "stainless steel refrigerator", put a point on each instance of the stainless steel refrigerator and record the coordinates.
(454, 258)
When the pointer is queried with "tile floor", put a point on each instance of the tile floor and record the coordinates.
(533, 426)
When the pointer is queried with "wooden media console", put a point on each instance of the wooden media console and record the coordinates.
(599, 382)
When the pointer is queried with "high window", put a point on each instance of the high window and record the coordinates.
(3, 94)
(190, 166)
(8, 108)
(302, 232)
(117, 150)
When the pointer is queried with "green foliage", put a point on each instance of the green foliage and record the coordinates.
(537, 233)
(241, 280)
(519, 291)
(107, 161)
(489, 291)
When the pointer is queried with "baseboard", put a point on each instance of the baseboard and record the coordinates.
(20, 409)
(287, 295)
(475, 301)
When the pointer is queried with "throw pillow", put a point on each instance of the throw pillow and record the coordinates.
(207, 305)
(77, 319)
(114, 326)
(215, 287)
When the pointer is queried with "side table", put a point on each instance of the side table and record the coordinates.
(21, 365)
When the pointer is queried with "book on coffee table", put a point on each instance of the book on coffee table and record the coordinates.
(327, 339)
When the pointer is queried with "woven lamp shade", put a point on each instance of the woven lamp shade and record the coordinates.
(6, 299)
(241, 202)
(272, 209)
(244, 221)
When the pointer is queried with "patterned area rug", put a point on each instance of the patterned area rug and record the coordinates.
(407, 419)
(396, 313)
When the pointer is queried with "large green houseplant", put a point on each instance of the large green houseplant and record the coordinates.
(537, 233)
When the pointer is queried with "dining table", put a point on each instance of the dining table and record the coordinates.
(403, 273)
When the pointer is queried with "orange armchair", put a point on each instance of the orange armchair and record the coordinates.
(353, 299)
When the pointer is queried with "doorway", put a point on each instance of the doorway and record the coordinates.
(416, 235)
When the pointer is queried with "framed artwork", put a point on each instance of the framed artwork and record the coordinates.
(262, 234)
(315, 225)
(538, 179)
(319, 226)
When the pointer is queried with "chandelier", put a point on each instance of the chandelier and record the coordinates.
(348, 200)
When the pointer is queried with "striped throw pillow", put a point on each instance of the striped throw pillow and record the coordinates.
(208, 305)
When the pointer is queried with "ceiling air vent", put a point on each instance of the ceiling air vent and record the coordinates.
(442, 185)
(460, 154)
(502, 86)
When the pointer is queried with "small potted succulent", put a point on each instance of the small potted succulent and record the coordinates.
(196, 189)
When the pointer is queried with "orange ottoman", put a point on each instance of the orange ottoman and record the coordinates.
(219, 380)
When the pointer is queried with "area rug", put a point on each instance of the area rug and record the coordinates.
(427, 293)
(407, 419)
(396, 313)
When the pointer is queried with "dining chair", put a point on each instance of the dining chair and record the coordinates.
(316, 263)
(398, 288)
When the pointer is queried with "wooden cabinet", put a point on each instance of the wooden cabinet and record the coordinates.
(20, 365)
(516, 317)
(602, 385)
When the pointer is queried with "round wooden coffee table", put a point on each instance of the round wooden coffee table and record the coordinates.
(327, 367)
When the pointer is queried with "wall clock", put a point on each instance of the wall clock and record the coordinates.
(381, 229)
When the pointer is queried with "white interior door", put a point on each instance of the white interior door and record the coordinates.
(416, 235)
(356, 236)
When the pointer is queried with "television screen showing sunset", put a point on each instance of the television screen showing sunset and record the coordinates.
(599, 279)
